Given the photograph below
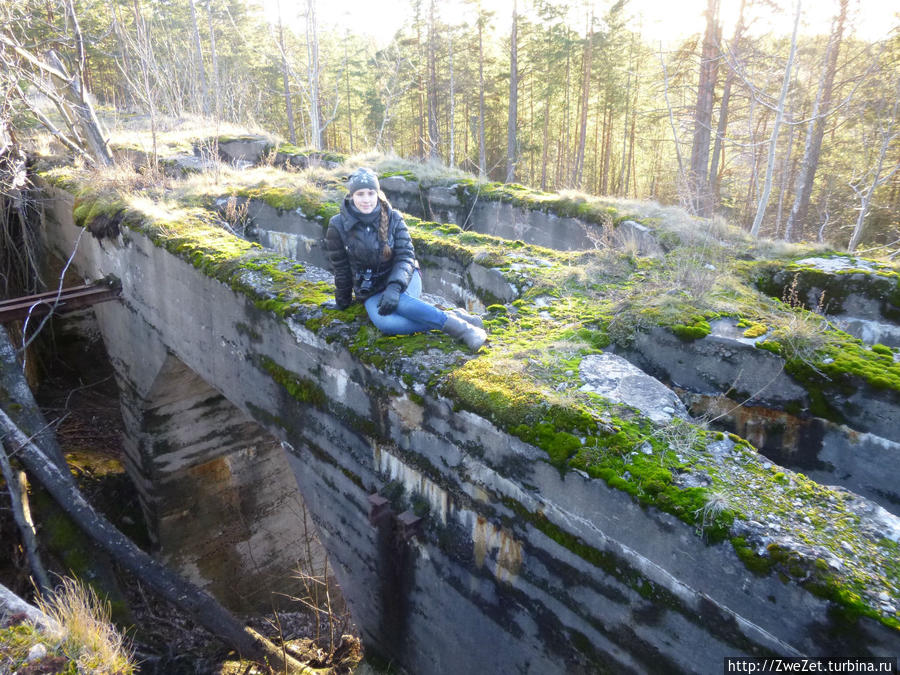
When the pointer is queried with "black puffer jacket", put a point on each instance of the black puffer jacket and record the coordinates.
(357, 252)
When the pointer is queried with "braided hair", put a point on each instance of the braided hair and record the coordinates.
(386, 251)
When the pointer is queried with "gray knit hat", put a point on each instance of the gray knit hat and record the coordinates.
(363, 177)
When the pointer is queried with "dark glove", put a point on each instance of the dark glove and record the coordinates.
(389, 299)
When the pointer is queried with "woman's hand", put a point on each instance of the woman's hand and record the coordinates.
(389, 299)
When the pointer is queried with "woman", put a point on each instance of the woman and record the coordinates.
(372, 256)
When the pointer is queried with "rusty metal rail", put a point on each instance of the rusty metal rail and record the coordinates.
(70, 299)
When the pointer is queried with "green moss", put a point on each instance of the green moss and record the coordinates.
(758, 564)
(756, 330)
(560, 445)
(249, 331)
(694, 331)
(351, 314)
(770, 346)
(408, 175)
(583, 207)
(16, 642)
(301, 388)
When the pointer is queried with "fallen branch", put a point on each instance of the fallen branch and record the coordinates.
(11, 604)
(18, 496)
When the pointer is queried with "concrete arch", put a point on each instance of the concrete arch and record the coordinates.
(219, 498)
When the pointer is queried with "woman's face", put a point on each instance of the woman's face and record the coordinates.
(365, 199)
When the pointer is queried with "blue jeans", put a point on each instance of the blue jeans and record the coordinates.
(411, 316)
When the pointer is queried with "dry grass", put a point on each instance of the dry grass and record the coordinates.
(430, 172)
(174, 134)
(802, 332)
(716, 504)
(681, 437)
(85, 633)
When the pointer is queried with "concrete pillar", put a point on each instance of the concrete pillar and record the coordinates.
(220, 500)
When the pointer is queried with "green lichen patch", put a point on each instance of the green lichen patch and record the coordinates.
(584, 432)
(452, 243)
(835, 367)
(273, 282)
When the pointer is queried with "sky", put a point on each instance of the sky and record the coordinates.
(667, 21)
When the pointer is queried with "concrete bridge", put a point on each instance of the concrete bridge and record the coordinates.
(458, 546)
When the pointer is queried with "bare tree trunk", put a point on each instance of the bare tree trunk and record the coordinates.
(721, 128)
(201, 71)
(622, 184)
(531, 119)
(546, 132)
(888, 136)
(562, 171)
(285, 81)
(585, 97)
(773, 141)
(452, 104)
(785, 179)
(312, 70)
(214, 65)
(120, 37)
(512, 120)
(85, 116)
(433, 134)
(70, 95)
(482, 159)
(347, 81)
(607, 148)
(16, 486)
(671, 117)
(709, 67)
(722, 125)
(146, 54)
(814, 134)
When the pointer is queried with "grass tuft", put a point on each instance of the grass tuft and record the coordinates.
(77, 636)
(86, 635)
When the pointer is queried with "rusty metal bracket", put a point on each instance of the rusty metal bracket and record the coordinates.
(379, 509)
(67, 300)
(409, 525)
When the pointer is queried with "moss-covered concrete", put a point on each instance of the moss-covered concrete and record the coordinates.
(813, 282)
(572, 305)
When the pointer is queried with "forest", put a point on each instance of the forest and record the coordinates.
(791, 137)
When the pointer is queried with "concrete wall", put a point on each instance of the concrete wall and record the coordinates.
(861, 454)
(503, 219)
(517, 567)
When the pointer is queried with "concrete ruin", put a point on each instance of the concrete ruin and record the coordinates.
(458, 545)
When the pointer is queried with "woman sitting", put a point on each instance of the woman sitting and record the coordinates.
(372, 256)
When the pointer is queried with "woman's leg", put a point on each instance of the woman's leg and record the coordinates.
(411, 316)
